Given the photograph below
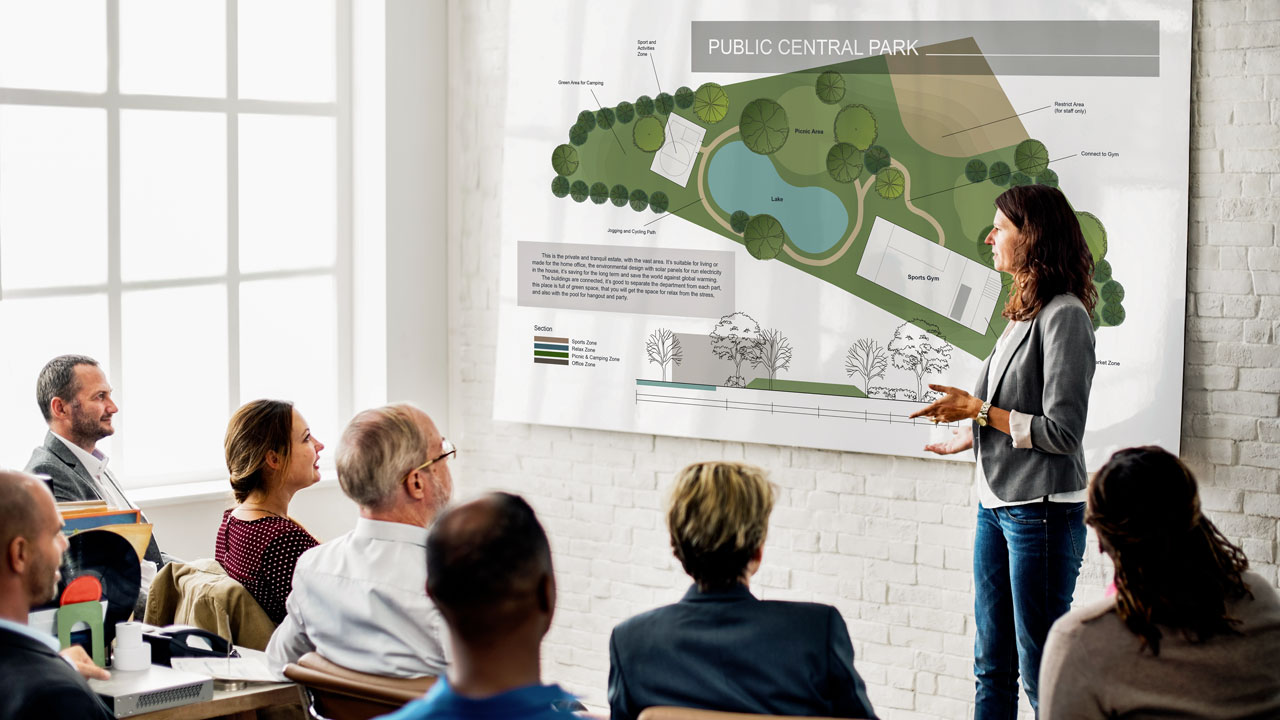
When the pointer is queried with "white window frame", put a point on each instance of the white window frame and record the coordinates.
(232, 107)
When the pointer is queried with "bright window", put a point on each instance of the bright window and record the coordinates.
(175, 201)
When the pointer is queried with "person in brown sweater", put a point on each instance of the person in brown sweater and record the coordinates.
(1190, 633)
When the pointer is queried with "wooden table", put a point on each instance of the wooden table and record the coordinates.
(238, 704)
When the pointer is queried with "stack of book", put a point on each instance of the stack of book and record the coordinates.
(82, 515)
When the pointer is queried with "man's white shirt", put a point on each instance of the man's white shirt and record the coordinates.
(360, 600)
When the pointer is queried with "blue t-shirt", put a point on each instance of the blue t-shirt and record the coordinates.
(533, 702)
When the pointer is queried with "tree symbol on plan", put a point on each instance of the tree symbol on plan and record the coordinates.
(664, 350)
(918, 346)
(775, 353)
(868, 359)
(737, 338)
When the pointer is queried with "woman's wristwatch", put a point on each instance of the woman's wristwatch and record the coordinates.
(982, 414)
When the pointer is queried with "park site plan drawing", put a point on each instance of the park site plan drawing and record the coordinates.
(772, 229)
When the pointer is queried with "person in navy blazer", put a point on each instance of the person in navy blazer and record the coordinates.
(721, 648)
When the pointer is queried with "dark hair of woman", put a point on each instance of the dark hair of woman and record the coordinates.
(257, 428)
(1173, 567)
(1055, 257)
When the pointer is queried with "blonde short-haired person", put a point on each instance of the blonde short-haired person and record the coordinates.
(1190, 633)
(721, 648)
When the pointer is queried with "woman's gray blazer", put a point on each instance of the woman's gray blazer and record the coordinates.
(1047, 374)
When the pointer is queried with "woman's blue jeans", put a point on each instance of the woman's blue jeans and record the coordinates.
(1026, 559)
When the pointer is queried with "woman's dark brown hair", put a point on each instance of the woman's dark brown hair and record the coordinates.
(1055, 257)
(256, 429)
(1173, 567)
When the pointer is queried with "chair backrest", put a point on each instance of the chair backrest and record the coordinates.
(337, 693)
(665, 712)
(200, 593)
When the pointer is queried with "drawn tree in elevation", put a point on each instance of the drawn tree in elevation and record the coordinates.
(736, 338)
(587, 119)
(875, 159)
(856, 125)
(1031, 157)
(664, 350)
(1048, 177)
(684, 98)
(599, 193)
(644, 106)
(763, 237)
(605, 118)
(626, 112)
(564, 160)
(664, 103)
(618, 195)
(1101, 271)
(738, 221)
(775, 353)
(1019, 178)
(647, 134)
(658, 202)
(890, 183)
(975, 171)
(639, 200)
(764, 126)
(830, 87)
(918, 346)
(710, 103)
(868, 359)
(844, 162)
(579, 191)
(578, 134)
(999, 173)
(560, 186)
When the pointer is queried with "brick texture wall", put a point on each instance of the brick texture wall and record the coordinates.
(886, 540)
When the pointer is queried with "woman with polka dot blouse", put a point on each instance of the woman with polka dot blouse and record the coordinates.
(271, 455)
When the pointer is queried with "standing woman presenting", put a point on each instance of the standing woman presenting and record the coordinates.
(1028, 411)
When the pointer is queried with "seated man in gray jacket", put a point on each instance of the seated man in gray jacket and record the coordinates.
(720, 648)
(75, 399)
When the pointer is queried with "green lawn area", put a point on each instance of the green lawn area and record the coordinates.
(937, 184)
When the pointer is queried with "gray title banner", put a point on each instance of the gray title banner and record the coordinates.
(1113, 48)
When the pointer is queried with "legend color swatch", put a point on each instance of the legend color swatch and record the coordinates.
(550, 350)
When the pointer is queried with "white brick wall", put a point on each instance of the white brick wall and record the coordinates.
(887, 541)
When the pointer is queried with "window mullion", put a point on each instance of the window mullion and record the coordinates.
(233, 209)
(344, 280)
(114, 304)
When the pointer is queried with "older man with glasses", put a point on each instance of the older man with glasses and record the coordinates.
(360, 600)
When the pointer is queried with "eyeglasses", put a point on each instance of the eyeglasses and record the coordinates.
(447, 449)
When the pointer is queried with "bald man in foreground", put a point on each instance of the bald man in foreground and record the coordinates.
(489, 572)
(38, 682)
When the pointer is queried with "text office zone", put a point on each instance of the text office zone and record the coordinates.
(822, 47)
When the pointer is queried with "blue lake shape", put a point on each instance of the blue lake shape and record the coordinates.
(814, 218)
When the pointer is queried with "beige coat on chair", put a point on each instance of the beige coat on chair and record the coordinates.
(200, 593)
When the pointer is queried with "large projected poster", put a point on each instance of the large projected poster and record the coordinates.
(764, 222)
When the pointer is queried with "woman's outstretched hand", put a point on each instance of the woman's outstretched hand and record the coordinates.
(955, 404)
(961, 440)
